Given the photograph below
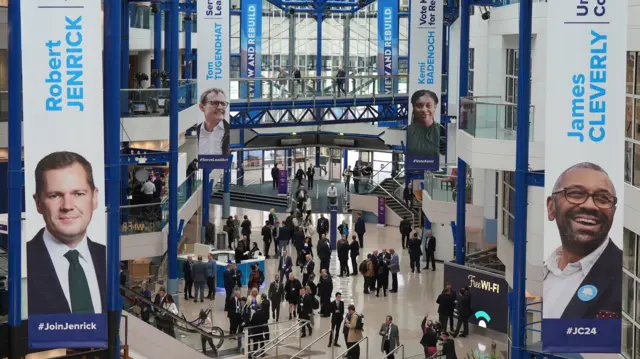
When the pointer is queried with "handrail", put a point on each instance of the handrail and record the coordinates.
(394, 351)
(351, 347)
(278, 340)
(313, 342)
(381, 168)
(308, 78)
(393, 197)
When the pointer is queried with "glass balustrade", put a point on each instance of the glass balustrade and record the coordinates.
(492, 118)
(155, 101)
(141, 17)
(311, 88)
(152, 217)
(443, 188)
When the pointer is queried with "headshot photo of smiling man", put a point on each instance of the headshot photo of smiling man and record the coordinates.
(66, 270)
(213, 133)
(583, 276)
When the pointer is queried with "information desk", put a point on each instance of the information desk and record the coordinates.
(222, 258)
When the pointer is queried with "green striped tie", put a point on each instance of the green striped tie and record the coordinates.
(78, 286)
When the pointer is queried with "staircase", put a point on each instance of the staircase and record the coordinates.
(240, 194)
(391, 187)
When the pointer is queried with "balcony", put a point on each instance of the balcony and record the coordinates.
(439, 199)
(486, 136)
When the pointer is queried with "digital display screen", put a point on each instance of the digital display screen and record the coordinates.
(489, 301)
(139, 107)
(161, 102)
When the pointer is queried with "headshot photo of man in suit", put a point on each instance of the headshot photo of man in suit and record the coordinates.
(213, 133)
(583, 276)
(66, 270)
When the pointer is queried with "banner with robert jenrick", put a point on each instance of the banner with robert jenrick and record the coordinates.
(65, 229)
(584, 177)
(425, 65)
(213, 133)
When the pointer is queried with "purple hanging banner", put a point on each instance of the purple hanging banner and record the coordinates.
(382, 210)
(282, 182)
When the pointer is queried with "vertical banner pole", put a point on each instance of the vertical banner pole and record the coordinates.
(174, 59)
(584, 172)
(206, 196)
(157, 45)
(333, 228)
(518, 302)
(388, 39)
(112, 74)
(15, 179)
(250, 47)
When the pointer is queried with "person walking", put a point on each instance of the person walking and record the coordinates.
(415, 251)
(394, 268)
(343, 256)
(430, 251)
(360, 229)
(446, 304)
(464, 312)
(276, 296)
(346, 175)
(354, 252)
(246, 228)
(390, 337)
(355, 332)
(405, 230)
(337, 315)
(311, 172)
(267, 238)
(341, 77)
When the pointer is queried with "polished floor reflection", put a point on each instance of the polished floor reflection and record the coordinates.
(415, 298)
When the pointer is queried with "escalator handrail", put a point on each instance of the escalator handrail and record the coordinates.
(177, 319)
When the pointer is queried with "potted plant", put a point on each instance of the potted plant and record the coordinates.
(140, 77)
(164, 78)
(154, 75)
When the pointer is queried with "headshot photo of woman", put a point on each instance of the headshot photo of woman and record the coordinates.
(423, 134)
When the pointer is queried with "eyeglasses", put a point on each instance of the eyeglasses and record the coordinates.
(222, 104)
(601, 199)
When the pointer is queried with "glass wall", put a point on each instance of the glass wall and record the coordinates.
(508, 204)
(631, 296)
(632, 126)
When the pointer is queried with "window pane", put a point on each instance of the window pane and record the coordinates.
(627, 338)
(629, 250)
(509, 62)
(637, 314)
(627, 294)
(629, 117)
(630, 71)
(637, 79)
(628, 161)
(636, 165)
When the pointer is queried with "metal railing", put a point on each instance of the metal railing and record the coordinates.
(398, 348)
(279, 340)
(317, 87)
(153, 102)
(250, 339)
(308, 346)
(394, 198)
(491, 117)
(344, 353)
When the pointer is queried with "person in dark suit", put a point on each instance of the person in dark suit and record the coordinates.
(213, 133)
(285, 265)
(337, 316)
(430, 250)
(582, 277)
(429, 339)
(360, 229)
(405, 231)
(276, 294)
(307, 269)
(324, 252)
(305, 308)
(322, 226)
(310, 173)
(259, 331)
(464, 312)
(232, 307)
(354, 252)
(415, 252)
(199, 273)
(448, 347)
(446, 304)
(343, 256)
(266, 238)
(187, 270)
(66, 270)
(325, 288)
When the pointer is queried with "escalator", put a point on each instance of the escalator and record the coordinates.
(155, 332)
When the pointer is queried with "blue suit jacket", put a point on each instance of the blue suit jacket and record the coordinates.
(45, 292)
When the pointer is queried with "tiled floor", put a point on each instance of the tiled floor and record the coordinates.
(415, 299)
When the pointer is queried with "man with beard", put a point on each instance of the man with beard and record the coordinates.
(582, 277)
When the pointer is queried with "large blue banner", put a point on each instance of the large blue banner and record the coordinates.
(250, 46)
(584, 177)
(388, 39)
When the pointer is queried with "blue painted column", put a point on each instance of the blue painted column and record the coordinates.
(114, 23)
(345, 157)
(226, 195)
(518, 299)
(317, 158)
(124, 54)
(240, 158)
(206, 196)
(157, 45)
(461, 214)
(172, 54)
(16, 179)
(187, 52)
(319, 19)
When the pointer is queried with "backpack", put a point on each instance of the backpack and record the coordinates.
(360, 322)
(364, 266)
(316, 303)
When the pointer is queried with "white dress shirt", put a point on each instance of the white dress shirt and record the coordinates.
(210, 143)
(57, 250)
(332, 192)
(148, 188)
(560, 286)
